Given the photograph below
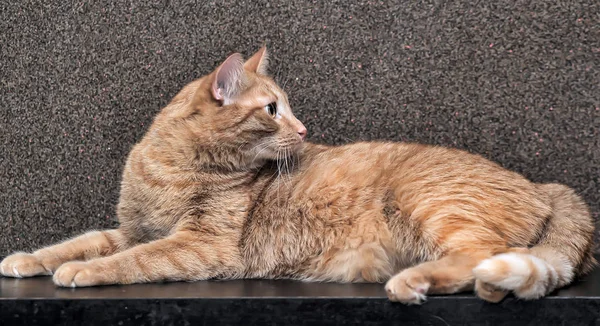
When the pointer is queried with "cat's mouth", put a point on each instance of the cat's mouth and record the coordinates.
(291, 147)
(276, 150)
(284, 153)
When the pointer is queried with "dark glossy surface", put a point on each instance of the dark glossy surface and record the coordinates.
(43, 288)
(36, 301)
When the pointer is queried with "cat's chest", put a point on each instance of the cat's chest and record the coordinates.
(285, 232)
(278, 236)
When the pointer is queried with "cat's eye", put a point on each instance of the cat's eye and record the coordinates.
(271, 109)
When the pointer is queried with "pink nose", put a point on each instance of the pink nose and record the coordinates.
(302, 132)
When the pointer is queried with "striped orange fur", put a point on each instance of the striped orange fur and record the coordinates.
(223, 186)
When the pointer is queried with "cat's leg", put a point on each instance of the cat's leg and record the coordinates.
(183, 256)
(46, 260)
(450, 274)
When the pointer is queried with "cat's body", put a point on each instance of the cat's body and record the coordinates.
(402, 205)
(220, 189)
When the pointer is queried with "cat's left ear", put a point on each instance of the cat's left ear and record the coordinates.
(258, 62)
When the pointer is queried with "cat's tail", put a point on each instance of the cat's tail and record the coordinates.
(564, 251)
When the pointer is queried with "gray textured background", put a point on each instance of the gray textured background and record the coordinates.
(516, 81)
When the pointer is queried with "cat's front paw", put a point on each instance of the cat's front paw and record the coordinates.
(409, 287)
(23, 265)
(78, 274)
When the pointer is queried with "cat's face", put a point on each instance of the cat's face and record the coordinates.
(247, 111)
(270, 129)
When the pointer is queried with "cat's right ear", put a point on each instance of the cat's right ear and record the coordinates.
(258, 62)
(227, 77)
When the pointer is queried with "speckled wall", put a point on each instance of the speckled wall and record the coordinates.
(516, 81)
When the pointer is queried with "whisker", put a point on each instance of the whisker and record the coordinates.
(260, 151)
(285, 167)
(288, 164)
(294, 161)
(277, 76)
(278, 175)
(285, 83)
(257, 145)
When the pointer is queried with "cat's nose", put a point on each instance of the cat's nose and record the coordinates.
(302, 132)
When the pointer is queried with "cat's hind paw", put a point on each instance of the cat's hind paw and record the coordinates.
(489, 292)
(23, 265)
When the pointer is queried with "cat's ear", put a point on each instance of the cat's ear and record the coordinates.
(227, 81)
(258, 62)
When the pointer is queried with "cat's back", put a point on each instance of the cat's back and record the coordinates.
(420, 179)
(381, 163)
(375, 164)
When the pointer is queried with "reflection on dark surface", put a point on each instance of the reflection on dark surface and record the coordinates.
(42, 287)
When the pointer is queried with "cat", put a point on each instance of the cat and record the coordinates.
(223, 186)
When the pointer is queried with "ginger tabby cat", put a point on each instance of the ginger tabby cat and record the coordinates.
(223, 186)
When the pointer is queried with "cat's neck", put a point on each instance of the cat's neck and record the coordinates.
(191, 155)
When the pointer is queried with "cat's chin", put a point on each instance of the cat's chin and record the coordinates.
(297, 147)
(284, 155)
(279, 153)
(291, 150)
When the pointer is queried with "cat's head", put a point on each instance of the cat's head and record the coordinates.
(238, 107)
